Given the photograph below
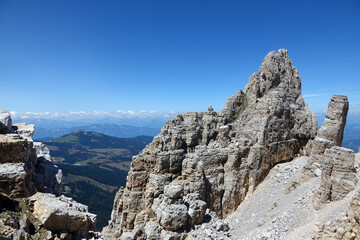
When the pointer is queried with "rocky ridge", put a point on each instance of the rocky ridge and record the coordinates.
(212, 160)
(30, 186)
(292, 204)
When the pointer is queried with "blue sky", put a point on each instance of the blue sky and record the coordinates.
(169, 56)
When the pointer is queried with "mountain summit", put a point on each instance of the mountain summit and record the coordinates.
(211, 160)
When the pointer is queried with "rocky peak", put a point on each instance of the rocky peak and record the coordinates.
(276, 69)
(212, 160)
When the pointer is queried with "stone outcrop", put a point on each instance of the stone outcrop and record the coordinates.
(26, 166)
(26, 131)
(28, 180)
(327, 159)
(17, 165)
(47, 175)
(5, 122)
(212, 160)
(330, 134)
(338, 176)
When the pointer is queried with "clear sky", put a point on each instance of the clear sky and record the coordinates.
(178, 55)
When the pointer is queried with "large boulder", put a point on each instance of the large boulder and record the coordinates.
(220, 156)
(62, 214)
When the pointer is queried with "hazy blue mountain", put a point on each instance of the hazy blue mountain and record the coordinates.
(122, 131)
(352, 137)
(70, 123)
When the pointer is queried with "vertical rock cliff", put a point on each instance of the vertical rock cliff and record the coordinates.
(211, 160)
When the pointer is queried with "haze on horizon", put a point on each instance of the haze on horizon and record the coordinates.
(153, 59)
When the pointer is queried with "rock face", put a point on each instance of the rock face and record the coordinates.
(338, 176)
(331, 132)
(26, 166)
(17, 164)
(213, 160)
(28, 210)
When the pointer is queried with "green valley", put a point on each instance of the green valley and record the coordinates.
(94, 166)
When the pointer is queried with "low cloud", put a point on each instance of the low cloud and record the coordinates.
(74, 115)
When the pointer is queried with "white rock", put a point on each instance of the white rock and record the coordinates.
(61, 213)
(173, 191)
(5, 121)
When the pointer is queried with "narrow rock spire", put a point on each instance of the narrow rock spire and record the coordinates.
(330, 134)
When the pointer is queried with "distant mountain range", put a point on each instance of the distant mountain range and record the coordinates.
(352, 137)
(69, 122)
(121, 131)
(94, 163)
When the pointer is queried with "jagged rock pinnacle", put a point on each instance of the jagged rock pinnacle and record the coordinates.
(215, 159)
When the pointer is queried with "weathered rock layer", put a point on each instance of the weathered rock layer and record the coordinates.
(213, 160)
